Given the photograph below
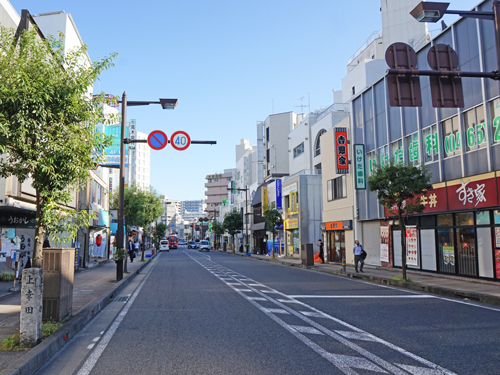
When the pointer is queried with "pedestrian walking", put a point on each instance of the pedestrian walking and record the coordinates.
(136, 246)
(321, 253)
(358, 252)
(241, 247)
(131, 251)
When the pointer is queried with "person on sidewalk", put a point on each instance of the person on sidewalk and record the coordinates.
(131, 251)
(136, 246)
(357, 250)
(321, 253)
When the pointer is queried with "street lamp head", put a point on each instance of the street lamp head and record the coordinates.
(168, 103)
(427, 11)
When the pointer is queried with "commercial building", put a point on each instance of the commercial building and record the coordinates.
(216, 192)
(459, 231)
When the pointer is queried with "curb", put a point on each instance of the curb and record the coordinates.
(473, 296)
(33, 360)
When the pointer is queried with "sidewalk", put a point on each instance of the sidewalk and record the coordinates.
(445, 285)
(92, 290)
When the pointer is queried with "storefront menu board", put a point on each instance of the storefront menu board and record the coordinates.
(384, 244)
(411, 246)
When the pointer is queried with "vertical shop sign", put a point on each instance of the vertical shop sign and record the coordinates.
(497, 236)
(384, 244)
(341, 153)
(293, 201)
(411, 246)
(264, 200)
(359, 155)
(279, 194)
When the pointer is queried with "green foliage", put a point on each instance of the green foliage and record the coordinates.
(48, 121)
(233, 222)
(161, 230)
(13, 342)
(217, 228)
(397, 185)
(400, 278)
(120, 254)
(7, 276)
(141, 208)
(273, 219)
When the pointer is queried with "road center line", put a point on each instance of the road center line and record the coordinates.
(369, 297)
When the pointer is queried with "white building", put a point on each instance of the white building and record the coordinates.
(140, 160)
(191, 210)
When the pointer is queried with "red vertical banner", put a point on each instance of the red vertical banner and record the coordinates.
(341, 150)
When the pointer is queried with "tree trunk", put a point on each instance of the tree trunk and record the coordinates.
(403, 244)
(39, 234)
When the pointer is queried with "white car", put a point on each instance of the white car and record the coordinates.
(204, 245)
(163, 245)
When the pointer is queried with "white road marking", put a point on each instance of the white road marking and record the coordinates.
(102, 332)
(270, 291)
(96, 339)
(257, 298)
(304, 329)
(342, 362)
(415, 370)
(355, 335)
(275, 311)
(361, 297)
(96, 354)
(245, 290)
(287, 301)
(313, 314)
(90, 346)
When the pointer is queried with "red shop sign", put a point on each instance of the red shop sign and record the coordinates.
(469, 193)
(341, 150)
(434, 201)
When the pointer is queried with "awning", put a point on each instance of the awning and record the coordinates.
(259, 226)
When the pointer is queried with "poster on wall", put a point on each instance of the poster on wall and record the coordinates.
(497, 237)
(384, 244)
(497, 263)
(449, 255)
(411, 246)
(99, 245)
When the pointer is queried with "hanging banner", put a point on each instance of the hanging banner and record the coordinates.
(359, 165)
(279, 190)
(384, 244)
(293, 202)
(411, 246)
(341, 154)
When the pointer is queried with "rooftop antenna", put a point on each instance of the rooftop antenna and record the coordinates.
(301, 106)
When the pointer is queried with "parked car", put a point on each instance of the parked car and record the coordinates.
(192, 245)
(163, 245)
(204, 245)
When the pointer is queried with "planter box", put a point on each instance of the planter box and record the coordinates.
(58, 272)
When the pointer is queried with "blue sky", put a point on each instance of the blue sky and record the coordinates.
(228, 62)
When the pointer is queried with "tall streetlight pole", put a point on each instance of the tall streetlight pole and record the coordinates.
(166, 104)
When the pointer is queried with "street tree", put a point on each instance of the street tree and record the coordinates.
(141, 207)
(48, 124)
(398, 188)
(218, 231)
(233, 223)
(274, 221)
(161, 231)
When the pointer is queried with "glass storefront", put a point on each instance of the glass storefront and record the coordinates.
(335, 242)
(466, 243)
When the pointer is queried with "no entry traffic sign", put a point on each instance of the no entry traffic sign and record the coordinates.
(157, 140)
(180, 140)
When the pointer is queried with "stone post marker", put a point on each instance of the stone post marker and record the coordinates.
(31, 307)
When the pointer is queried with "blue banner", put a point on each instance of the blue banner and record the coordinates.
(279, 191)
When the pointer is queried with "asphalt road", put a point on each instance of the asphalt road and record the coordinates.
(213, 313)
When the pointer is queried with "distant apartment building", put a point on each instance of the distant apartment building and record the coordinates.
(192, 210)
(217, 184)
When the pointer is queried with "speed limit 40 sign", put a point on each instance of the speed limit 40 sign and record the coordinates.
(180, 140)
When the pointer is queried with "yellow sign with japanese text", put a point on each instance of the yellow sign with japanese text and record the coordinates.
(264, 200)
(293, 201)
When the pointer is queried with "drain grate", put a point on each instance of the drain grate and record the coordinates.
(121, 299)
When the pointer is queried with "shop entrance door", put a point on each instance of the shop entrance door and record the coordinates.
(337, 251)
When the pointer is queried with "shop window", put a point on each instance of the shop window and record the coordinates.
(465, 218)
(466, 255)
(397, 152)
(383, 156)
(299, 150)
(496, 215)
(451, 137)
(446, 245)
(329, 190)
(445, 220)
(495, 120)
(475, 129)
(372, 162)
(431, 144)
(412, 147)
(483, 218)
